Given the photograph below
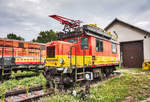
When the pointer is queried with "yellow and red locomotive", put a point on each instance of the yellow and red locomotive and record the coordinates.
(20, 55)
(85, 53)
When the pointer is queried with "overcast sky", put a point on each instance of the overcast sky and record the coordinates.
(28, 17)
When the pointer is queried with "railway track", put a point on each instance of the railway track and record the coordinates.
(6, 73)
(19, 77)
(24, 95)
(34, 93)
(25, 76)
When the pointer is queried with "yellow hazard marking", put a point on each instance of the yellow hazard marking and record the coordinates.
(55, 62)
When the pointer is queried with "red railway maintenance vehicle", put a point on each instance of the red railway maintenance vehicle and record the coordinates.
(80, 53)
(20, 55)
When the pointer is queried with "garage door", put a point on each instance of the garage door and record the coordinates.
(132, 54)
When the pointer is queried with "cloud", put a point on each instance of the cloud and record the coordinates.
(143, 23)
(28, 17)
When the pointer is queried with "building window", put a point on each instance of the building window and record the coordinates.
(114, 48)
(84, 43)
(99, 45)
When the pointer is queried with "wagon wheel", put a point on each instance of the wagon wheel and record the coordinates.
(7, 74)
(60, 87)
(102, 76)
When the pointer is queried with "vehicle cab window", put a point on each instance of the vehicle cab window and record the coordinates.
(84, 43)
(114, 48)
(99, 45)
(73, 40)
(51, 52)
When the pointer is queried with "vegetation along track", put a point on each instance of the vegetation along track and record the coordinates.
(25, 95)
(34, 93)
(21, 75)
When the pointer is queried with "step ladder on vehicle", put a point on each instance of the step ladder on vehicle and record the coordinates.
(80, 73)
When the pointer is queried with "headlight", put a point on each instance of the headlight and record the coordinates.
(61, 61)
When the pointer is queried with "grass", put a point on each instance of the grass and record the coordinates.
(19, 73)
(13, 84)
(131, 86)
(24, 83)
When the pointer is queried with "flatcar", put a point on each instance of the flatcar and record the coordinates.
(20, 55)
(84, 54)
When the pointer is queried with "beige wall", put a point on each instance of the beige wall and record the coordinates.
(126, 33)
(147, 49)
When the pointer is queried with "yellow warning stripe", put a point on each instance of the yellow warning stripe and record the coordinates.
(55, 62)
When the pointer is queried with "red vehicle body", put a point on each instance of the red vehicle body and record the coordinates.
(20, 55)
(23, 52)
(84, 55)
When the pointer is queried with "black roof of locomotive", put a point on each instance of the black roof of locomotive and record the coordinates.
(87, 30)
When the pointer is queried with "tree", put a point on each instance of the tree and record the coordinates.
(46, 36)
(14, 36)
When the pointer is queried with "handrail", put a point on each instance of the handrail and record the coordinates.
(71, 55)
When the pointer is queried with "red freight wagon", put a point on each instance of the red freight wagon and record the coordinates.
(15, 53)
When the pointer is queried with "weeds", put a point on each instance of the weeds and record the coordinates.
(2, 93)
(26, 83)
(23, 83)
(134, 86)
(19, 73)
